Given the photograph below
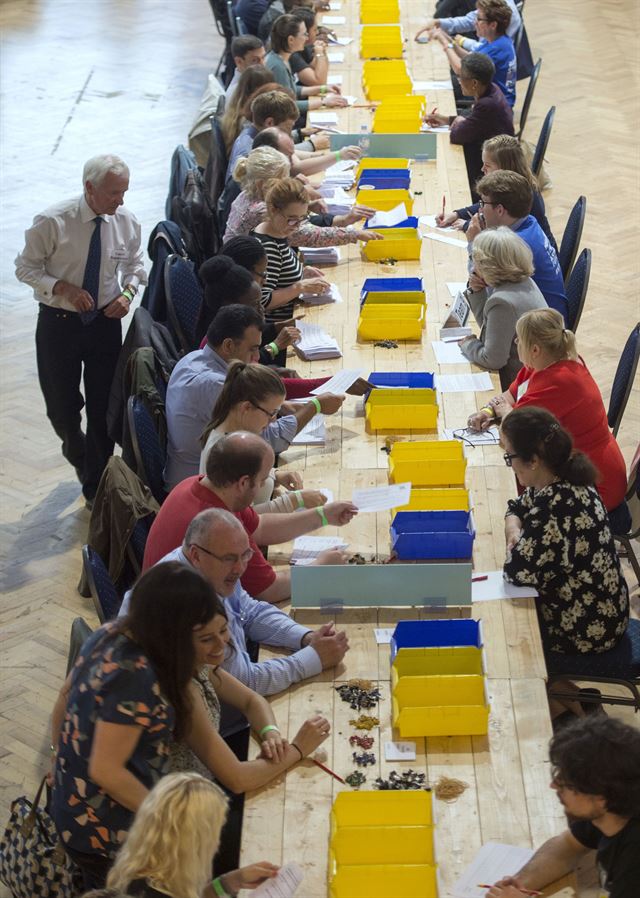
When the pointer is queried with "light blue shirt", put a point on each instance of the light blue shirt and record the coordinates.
(263, 623)
(462, 24)
(194, 387)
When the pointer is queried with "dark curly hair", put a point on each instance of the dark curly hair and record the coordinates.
(600, 756)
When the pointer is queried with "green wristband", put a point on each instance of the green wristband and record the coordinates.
(323, 90)
(338, 156)
(219, 889)
(316, 402)
(268, 729)
(323, 516)
(298, 495)
(274, 348)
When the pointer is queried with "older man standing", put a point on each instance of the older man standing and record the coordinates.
(82, 257)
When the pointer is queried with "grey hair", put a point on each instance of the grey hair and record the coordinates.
(98, 167)
(208, 520)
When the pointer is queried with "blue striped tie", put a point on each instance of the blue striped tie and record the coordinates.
(91, 279)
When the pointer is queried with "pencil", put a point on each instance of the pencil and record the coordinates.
(329, 771)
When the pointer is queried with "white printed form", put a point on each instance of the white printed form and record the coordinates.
(340, 382)
(285, 885)
(381, 498)
(491, 863)
(307, 548)
(448, 353)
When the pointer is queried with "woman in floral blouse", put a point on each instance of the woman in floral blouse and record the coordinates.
(559, 541)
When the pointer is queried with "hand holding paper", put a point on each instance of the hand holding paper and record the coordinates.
(381, 498)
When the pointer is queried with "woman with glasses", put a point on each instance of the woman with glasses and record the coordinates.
(558, 540)
(554, 377)
(503, 262)
(250, 399)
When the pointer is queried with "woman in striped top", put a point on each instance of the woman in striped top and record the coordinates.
(286, 278)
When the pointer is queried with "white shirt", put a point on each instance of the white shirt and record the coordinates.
(57, 245)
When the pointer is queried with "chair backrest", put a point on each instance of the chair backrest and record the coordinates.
(105, 596)
(528, 97)
(543, 141)
(576, 288)
(148, 451)
(571, 237)
(216, 169)
(138, 541)
(182, 161)
(233, 25)
(80, 631)
(623, 380)
(184, 297)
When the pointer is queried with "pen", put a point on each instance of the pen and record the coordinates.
(444, 201)
(329, 771)
(434, 110)
(477, 580)
(483, 885)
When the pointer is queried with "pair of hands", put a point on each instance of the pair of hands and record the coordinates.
(481, 421)
(292, 480)
(310, 736)
(83, 301)
(313, 281)
(450, 220)
(508, 887)
(357, 213)
(330, 644)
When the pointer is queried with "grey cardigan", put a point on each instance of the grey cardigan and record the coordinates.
(283, 75)
(497, 313)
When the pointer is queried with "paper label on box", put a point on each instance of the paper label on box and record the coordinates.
(399, 751)
(383, 635)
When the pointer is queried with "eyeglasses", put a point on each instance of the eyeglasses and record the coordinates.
(464, 434)
(483, 203)
(227, 559)
(269, 415)
(508, 458)
(293, 220)
(259, 275)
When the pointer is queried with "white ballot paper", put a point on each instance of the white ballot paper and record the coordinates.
(450, 240)
(314, 343)
(321, 299)
(335, 6)
(491, 863)
(322, 117)
(421, 86)
(342, 41)
(340, 382)
(389, 219)
(285, 885)
(489, 437)
(454, 334)
(429, 221)
(337, 56)
(434, 129)
(496, 587)
(455, 287)
(380, 498)
(335, 79)
(383, 635)
(350, 99)
(399, 751)
(448, 353)
(463, 383)
(307, 548)
(312, 434)
(334, 20)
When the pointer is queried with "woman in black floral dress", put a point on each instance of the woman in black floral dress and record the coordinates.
(559, 541)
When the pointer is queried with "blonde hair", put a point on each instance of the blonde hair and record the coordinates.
(174, 836)
(262, 164)
(501, 257)
(508, 155)
(545, 328)
(279, 194)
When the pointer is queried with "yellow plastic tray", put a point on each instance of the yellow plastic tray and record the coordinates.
(397, 325)
(379, 14)
(428, 464)
(384, 200)
(441, 720)
(433, 690)
(401, 297)
(382, 845)
(381, 40)
(401, 310)
(383, 881)
(443, 660)
(455, 499)
(402, 244)
(401, 411)
(383, 162)
(382, 809)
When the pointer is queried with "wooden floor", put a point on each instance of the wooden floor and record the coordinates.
(126, 78)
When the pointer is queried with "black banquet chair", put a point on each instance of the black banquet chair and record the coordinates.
(623, 380)
(528, 98)
(106, 598)
(576, 288)
(149, 453)
(184, 296)
(571, 237)
(543, 142)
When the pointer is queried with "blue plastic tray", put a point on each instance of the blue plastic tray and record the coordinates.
(411, 379)
(432, 534)
(390, 285)
(411, 222)
(416, 634)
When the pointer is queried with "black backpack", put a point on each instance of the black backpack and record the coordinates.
(165, 240)
(195, 216)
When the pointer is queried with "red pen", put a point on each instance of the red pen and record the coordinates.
(483, 885)
(434, 110)
(478, 579)
(329, 771)
(444, 200)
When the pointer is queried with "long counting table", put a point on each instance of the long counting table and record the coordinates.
(507, 772)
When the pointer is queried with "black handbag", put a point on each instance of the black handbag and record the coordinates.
(33, 863)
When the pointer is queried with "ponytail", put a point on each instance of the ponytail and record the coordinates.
(244, 383)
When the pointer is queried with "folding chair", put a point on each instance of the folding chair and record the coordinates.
(571, 237)
(623, 380)
(576, 288)
(184, 296)
(543, 142)
(149, 453)
(106, 598)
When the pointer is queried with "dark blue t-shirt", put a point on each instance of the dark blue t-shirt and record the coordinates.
(547, 273)
(503, 55)
(251, 11)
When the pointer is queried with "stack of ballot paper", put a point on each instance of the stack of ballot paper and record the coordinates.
(315, 343)
(312, 434)
(340, 174)
(307, 548)
(321, 255)
(336, 57)
(389, 219)
(320, 117)
(338, 202)
(321, 299)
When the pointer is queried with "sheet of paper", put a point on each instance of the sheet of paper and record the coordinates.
(320, 299)
(285, 884)
(490, 437)
(399, 751)
(496, 587)
(336, 56)
(335, 6)
(334, 20)
(313, 433)
(463, 383)
(455, 287)
(322, 117)
(448, 353)
(343, 41)
(350, 99)
(435, 129)
(422, 86)
(381, 498)
(450, 240)
(383, 635)
(335, 79)
(454, 334)
(491, 863)
(430, 222)
(389, 219)
(307, 548)
(340, 382)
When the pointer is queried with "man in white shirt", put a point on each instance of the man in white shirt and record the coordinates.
(83, 260)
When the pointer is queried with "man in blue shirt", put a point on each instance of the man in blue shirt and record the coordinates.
(505, 199)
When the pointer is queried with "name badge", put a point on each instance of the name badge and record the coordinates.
(119, 252)
(522, 389)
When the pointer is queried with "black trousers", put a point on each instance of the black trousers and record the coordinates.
(228, 854)
(94, 868)
(67, 350)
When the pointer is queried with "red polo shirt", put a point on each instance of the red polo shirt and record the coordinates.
(180, 507)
